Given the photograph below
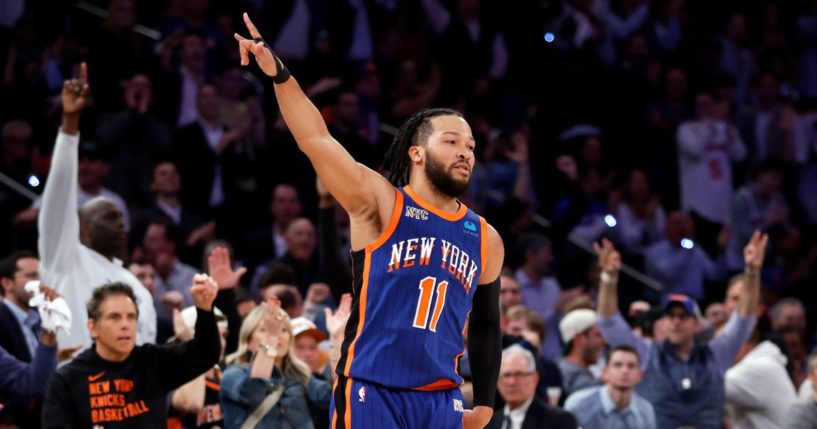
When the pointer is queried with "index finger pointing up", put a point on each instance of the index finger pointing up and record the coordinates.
(83, 73)
(250, 26)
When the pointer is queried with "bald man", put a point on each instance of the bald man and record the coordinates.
(79, 253)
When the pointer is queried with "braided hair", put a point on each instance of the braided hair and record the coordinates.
(414, 131)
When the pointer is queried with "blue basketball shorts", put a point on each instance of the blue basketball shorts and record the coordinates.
(363, 405)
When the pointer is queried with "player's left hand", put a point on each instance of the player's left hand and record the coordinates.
(477, 418)
(256, 47)
(204, 291)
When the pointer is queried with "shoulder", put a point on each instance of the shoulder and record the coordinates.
(582, 398)
(494, 252)
(551, 414)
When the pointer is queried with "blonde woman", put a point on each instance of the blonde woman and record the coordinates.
(266, 385)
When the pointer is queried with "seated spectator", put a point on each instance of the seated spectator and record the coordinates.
(116, 375)
(583, 347)
(758, 390)
(517, 385)
(307, 340)
(615, 403)
(19, 323)
(198, 400)
(269, 242)
(264, 365)
(300, 256)
(803, 414)
(683, 379)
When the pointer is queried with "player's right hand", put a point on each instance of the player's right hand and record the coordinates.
(75, 92)
(254, 46)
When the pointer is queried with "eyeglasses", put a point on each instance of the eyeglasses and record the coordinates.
(519, 374)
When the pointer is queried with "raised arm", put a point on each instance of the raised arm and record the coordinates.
(357, 188)
(610, 264)
(612, 325)
(753, 255)
(58, 221)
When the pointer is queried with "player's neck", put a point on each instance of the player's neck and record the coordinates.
(430, 194)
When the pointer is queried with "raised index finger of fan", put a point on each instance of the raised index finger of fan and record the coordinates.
(250, 26)
(83, 73)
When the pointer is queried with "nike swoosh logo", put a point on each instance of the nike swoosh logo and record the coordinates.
(92, 378)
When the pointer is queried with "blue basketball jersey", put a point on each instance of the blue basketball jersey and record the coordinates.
(413, 292)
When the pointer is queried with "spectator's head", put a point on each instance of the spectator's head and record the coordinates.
(676, 85)
(166, 180)
(705, 106)
(209, 104)
(93, 168)
(278, 272)
(367, 84)
(301, 240)
(253, 333)
(679, 226)
(517, 376)
(788, 312)
(637, 189)
(285, 205)
(622, 369)
(794, 341)
(769, 177)
(436, 144)
(161, 240)
(138, 89)
(189, 316)
(102, 227)
(121, 15)
(716, 315)
(307, 339)
(144, 271)
(232, 83)
(16, 270)
(767, 90)
(582, 338)
(289, 295)
(736, 29)
(193, 51)
(517, 320)
(733, 293)
(112, 317)
(16, 139)
(683, 315)
(347, 108)
(535, 253)
(509, 293)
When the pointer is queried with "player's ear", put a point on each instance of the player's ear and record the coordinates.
(415, 153)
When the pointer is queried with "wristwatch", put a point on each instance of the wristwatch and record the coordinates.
(268, 349)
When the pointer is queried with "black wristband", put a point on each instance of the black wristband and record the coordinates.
(281, 72)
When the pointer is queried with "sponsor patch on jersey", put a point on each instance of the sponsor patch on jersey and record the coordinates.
(470, 228)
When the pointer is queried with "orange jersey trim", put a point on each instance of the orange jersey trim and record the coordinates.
(483, 250)
(334, 417)
(389, 230)
(457, 215)
(212, 385)
(441, 384)
(347, 415)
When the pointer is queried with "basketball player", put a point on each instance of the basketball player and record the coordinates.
(422, 261)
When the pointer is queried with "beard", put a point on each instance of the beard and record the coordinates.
(442, 180)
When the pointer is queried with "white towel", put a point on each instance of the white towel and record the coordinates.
(53, 314)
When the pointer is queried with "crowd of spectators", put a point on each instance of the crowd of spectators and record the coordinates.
(673, 128)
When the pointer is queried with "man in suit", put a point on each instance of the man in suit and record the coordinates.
(19, 324)
(517, 385)
(269, 242)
